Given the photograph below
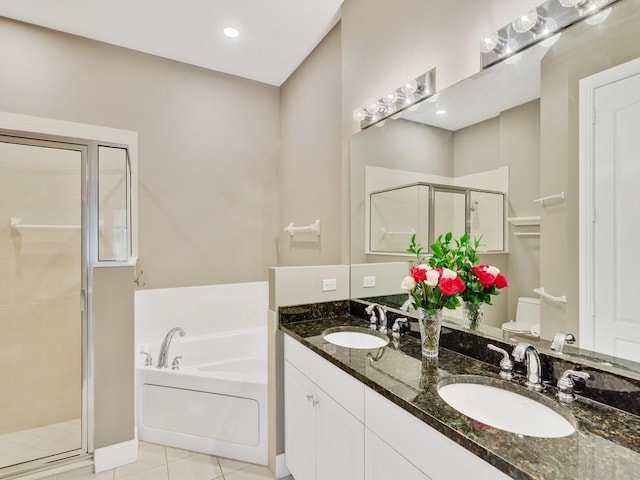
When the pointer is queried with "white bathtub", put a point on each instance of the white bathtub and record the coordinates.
(215, 403)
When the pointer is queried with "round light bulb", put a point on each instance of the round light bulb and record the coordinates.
(409, 87)
(525, 22)
(359, 115)
(489, 42)
(372, 107)
(550, 26)
(231, 32)
(390, 99)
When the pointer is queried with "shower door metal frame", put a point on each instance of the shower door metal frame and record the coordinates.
(89, 257)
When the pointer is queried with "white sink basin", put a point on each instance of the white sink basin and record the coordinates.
(498, 404)
(355, 337)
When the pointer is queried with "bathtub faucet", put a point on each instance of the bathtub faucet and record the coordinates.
(164, 349)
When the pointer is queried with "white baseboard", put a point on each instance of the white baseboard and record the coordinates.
(115, 455)
(281, 466)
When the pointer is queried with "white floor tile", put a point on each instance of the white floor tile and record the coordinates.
(254, 472)
(155, 473)
(149, 456)
(195, 467)
(174, 454)
(229, 465)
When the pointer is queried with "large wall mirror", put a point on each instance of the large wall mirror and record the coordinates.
(516, 147)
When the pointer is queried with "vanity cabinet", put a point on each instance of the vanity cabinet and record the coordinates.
(324, 440)
(338, 429)
(382, 462)
(439, 457)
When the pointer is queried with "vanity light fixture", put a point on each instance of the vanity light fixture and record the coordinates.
(231, 32)
(392, 104)
(533, 26)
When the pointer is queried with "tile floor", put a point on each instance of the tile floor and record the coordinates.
(156, 462)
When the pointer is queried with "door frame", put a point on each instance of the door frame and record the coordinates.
(586, 163)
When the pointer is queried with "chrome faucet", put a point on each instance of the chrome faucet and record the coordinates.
(560, 339)
(566, 384)
(506, 365)
(380, 319)
(164, 349)
(527, 354)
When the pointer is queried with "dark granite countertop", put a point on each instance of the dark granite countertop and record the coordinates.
(605, 445)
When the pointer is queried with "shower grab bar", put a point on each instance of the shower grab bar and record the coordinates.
(386, 232)
(16, 224)
(313, 228)
(555, 196)
(540, 291)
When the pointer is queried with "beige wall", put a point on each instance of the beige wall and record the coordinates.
(520, 149)
(113, 355)
(309, 163)
(208, 147)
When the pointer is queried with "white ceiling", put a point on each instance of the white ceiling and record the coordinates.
(275, 35)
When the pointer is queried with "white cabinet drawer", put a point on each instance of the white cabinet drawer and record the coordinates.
(339, 385)
(426, 448)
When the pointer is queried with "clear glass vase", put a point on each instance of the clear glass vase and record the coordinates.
(473, 314)
(430, 321)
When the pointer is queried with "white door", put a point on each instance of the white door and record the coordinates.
(616, 219)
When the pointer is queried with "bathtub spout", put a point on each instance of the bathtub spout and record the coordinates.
(164, 349)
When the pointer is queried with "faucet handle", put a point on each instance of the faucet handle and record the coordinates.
(506, 365)
(148, 361)
(401, 324)
(560, 339)
(175, 365)
(566, 384)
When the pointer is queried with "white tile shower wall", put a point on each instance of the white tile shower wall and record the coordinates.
(200, 310)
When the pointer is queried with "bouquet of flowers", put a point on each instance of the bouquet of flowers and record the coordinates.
(435, 285)
(481, 281)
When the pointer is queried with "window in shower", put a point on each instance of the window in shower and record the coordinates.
(113, 208)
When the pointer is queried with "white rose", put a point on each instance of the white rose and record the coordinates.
(408, 283)
(432, 278)
(493, 271)
(446, 273)
(424, 266)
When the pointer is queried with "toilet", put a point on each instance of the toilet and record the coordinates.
(527, 317)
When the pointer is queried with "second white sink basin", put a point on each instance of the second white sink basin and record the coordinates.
(355, 337)
(507, 406)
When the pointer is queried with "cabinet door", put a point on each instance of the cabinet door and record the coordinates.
(339, 441)
(300, 420)
(381, 462)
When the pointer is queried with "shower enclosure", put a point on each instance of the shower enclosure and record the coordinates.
(64, 206)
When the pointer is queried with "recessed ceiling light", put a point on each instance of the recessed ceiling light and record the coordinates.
(441, 112)
(231, 32)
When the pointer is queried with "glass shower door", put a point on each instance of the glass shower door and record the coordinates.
(41, 305)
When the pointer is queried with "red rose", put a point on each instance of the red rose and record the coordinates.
(449, 286)
(479, 268)
(418, 274)
(485, 278)
(461, 286)
(501, 281)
